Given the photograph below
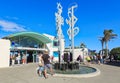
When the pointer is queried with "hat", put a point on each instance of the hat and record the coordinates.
(45, 52)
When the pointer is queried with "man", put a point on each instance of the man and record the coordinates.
(46, 59)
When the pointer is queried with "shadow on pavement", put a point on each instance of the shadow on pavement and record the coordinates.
(113, 63)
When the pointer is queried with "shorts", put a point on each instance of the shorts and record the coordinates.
(48, 66)
(41, 68)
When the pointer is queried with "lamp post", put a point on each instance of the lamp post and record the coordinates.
(72, 31)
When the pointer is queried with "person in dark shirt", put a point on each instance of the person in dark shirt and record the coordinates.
(47, 64)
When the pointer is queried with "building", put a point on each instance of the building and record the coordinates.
(53, 47)
(79, 51)
(4, 53)
(30, 43)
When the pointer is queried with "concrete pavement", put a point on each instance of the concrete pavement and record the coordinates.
(27, 74)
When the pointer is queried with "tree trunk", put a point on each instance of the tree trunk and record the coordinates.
(106, 44)
(102, 48)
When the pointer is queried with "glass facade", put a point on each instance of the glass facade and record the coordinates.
(24, 41)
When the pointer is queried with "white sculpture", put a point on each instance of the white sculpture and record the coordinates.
(72, 31)
(59, 22)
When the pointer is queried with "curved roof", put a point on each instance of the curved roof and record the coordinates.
(33, 35)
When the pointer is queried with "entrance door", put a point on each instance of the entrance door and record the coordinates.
(30, 57)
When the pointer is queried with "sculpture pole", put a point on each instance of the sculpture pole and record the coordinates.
(59, 22)
(72, 31)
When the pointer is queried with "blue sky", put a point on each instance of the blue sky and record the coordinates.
(39, 16)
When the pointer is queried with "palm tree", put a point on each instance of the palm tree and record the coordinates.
(102, 43)
(82, 45)
(108, 35)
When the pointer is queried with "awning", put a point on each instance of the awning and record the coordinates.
(34, 35)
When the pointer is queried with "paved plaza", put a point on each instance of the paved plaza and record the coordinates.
(110, 73)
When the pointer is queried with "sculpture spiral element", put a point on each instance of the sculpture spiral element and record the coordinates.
(71, 22)
(59, 20)
(72, 31)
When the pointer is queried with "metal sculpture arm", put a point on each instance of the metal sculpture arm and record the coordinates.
(72, 19)
(59, 20)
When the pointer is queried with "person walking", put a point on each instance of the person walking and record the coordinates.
(47, 64)
(41, 65)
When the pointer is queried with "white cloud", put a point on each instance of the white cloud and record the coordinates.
(11, 26)
(14, 18)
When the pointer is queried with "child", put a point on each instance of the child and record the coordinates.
(40, 70)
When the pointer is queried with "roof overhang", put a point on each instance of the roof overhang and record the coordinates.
(34, 35)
